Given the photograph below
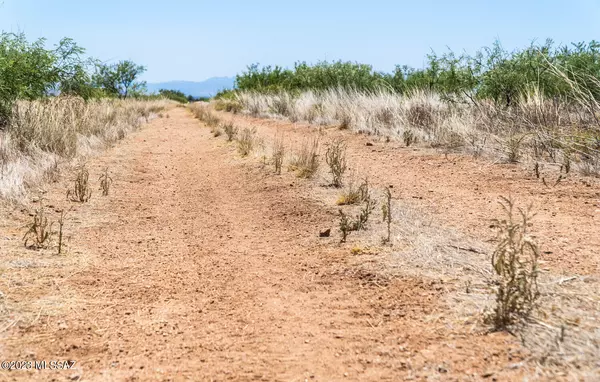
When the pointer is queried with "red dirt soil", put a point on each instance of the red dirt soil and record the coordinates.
(202, 266)
(463, 192)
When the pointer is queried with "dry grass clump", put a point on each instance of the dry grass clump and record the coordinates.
(199, 110)
(513, 147)
(409, 137)
(202, 112)
(515, 262)
(335, 157)
(105, 182)
(81, 191)
(230, 130)
(39, 231)
(306, 161)
(353, 194)
(420, 114)
(246, 141)
(40, 134)
(228, 105)
(278, 153)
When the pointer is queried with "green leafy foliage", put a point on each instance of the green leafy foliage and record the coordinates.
(491, 73)
(30, 71)
(175, 95)
(120, 79)
(26, 71)
(323, 75)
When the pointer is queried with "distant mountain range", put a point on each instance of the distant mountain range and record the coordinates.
(206, 88)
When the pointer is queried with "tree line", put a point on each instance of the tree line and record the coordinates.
(30, 71)
(491, 73)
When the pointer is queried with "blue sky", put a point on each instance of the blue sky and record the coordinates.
(195, 40)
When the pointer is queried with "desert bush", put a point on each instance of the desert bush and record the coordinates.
(354, 195)
(40, 230)
(306, 161)
(246, 141)
(120, 79)
(335, 157)
(323, 75)
(409, 137)
(513, 147)
(230, 130)
(81, 191)
(365, 212)
(515, 263)
(105, 182)
(278, 154)
(347, 225)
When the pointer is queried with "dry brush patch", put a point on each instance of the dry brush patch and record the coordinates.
(347, 225)
(533, 129)
(515, 262)
(278, 153)
(105, 182)
(43, 134)
(39, 231)
(335, 157)
(230, 130)
(306, 160)
(81, 191)
(246, 141)
(353, 194)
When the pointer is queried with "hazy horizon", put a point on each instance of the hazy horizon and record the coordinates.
(199, 41)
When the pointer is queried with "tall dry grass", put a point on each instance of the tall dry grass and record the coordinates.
(42, 134)
(565, 132)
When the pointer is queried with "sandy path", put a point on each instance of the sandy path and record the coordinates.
(203, 266)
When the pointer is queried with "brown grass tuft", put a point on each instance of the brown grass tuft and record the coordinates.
(306, 162)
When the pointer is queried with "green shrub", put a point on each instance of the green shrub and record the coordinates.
(174, 95)
(491, 73)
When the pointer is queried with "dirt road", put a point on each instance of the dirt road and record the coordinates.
(203, 266)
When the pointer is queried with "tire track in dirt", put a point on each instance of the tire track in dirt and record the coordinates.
(204, 267)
